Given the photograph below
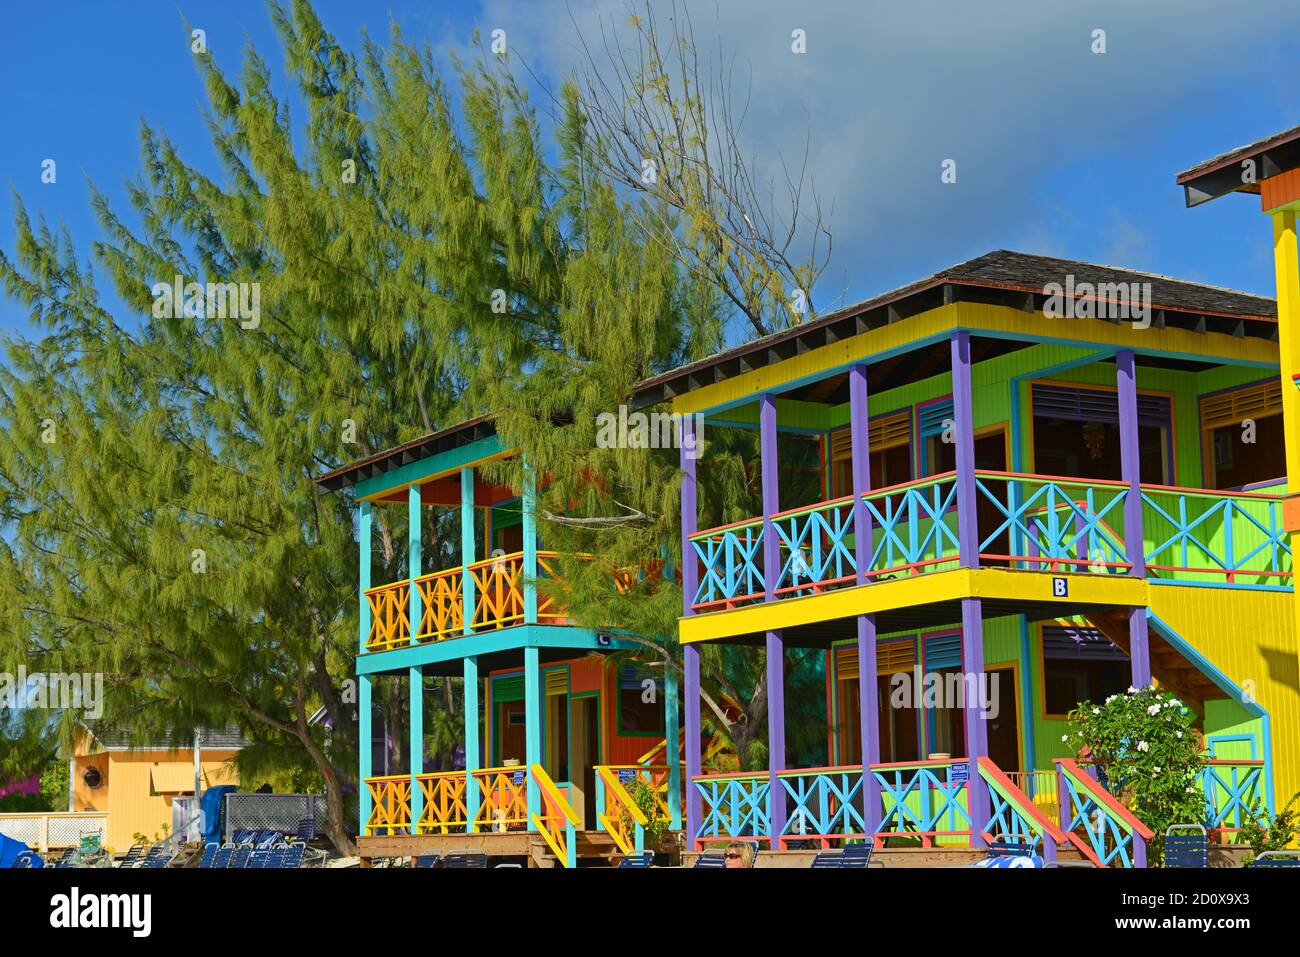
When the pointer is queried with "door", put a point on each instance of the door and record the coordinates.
(585, 735)
(510, 719)
(1003, 730)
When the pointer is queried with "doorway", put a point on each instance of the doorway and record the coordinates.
(584, 713)
(1004, 729)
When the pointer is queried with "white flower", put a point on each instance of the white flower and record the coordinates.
(1179, 733)
(1143, 746)
(1111, 698)
(1132, 690)
(1154, 709)
(1096, 711)
(1156, 770)
(1065, 737)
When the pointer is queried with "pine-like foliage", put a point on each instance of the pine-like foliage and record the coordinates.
(156, 468)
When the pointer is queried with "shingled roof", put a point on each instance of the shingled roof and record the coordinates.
(1011, 278)
(210, 739)
(1222, 174)
(1017, 279)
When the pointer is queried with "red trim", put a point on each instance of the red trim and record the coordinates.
(1105, 798)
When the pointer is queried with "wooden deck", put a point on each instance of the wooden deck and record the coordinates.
(594, 848)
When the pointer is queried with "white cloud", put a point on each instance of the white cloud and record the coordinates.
(1010, 91)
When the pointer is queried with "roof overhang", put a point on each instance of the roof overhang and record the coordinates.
(1242, 170)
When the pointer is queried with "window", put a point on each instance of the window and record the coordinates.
(1080, 664)
(1076, 434)
(640, 702)
(1237, 455)
(890, 443)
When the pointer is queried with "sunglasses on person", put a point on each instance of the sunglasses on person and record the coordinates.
(733, 855)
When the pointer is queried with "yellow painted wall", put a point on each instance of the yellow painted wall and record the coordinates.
(1250, 637)
(127, 790)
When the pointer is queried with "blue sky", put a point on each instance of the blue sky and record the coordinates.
(1059, 150)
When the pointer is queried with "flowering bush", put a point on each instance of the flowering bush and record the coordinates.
(1146, 752)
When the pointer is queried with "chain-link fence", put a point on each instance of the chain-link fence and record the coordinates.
(273, 812)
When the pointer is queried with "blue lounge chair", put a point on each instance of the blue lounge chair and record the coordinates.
(852, 856)
(132, 856)
(428, 860)
(1010, 851)
(159, 856)
(209, 854)
(221, 860)
(293, 856)
(711, 860)
(28, 859)
(306, 830)
(1277, 859)
(261, 857)
(474, 859)
(240, 858)
(637, 861)
(1187, 850)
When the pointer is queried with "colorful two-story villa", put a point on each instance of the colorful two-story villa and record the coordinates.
(1034, 472)
(559, 729)
(1035, 480)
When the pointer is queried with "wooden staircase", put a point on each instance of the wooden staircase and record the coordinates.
(1168, 666)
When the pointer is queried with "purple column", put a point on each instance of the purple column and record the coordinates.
(972, 623)
(973, 720)
(775, 646)
(868, 706)
(1130, 460)
(688, 450)
(963, 414)
(1139, 651)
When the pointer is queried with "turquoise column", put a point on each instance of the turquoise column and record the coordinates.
(416, 683)
(414, 561)
(532, 728)
(415, 678)
(472, 746)
(672, 753)
(364, 734)
(365, 750)
(528, 503)
(467, 546)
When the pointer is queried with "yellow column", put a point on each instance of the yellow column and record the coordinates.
(1287, 266)
(1286, 261)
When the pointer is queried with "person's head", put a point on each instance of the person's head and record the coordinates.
(739, 854)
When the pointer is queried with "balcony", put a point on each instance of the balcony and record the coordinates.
(498, 602)
(1024, 522)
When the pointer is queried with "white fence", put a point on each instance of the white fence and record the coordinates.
(44, 831)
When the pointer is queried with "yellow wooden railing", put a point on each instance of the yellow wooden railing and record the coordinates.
(558, 821)
(445, 809)
(390, 618)
(442, 611)
(620, 816)
(503, 798)
(498, 602)
(390, 811)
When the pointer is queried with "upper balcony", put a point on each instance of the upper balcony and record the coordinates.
(1013, 413)
(497, 596)
(1024, 522)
